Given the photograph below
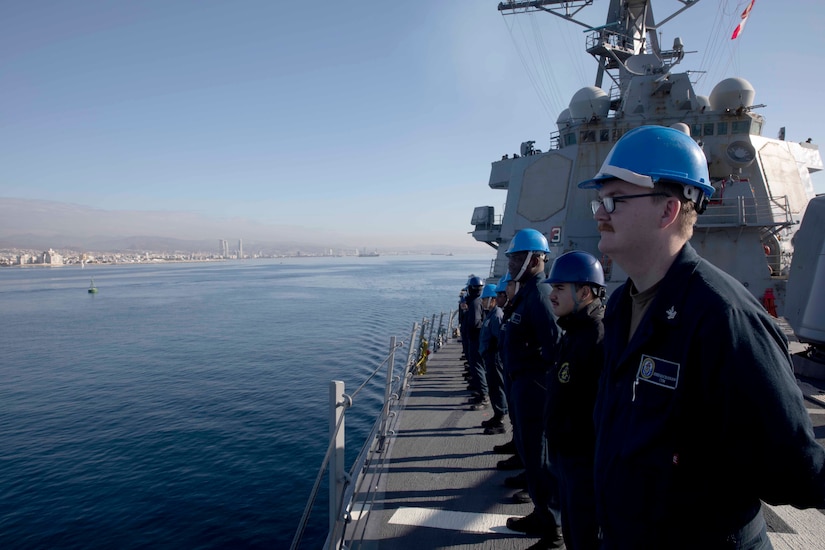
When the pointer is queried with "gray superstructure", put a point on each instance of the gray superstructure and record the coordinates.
(763, 185)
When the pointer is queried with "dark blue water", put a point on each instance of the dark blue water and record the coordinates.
(184, 405)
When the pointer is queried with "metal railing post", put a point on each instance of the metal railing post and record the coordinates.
(422, 335)
(740, 204)
(385, 413)
(344, 487)
(439, 333)
(410, 361)
(337, 409)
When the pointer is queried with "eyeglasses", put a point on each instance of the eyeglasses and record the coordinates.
(609, 203)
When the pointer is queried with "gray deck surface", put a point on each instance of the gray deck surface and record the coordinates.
(440, 460)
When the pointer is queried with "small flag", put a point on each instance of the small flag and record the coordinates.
(738, 30)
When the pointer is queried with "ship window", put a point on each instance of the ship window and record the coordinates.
(741, 127)
(756, 128)
(708, 130)
(588, 136)
(722, 128)
(604, 134)
(696, 130)
(617, 133)
(570, 139)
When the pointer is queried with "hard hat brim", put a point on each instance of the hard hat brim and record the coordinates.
(608, 172)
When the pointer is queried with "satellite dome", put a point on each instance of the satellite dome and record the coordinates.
(731, 94)
(564, 118)
(702, 102)
(682, 127)
(589, 102)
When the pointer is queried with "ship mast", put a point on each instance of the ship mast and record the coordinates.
(630, 29)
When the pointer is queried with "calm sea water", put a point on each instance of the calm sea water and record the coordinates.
(184, 405)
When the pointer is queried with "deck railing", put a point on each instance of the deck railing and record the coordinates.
(352, 492)
(767, 212)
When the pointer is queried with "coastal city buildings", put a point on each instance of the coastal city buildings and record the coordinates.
(19, 257)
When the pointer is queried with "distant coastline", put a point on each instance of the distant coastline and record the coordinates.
(29, 258)
(35, 226)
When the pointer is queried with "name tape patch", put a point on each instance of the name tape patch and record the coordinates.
(658, 371)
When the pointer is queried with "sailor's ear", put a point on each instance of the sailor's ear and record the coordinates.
(671, 208)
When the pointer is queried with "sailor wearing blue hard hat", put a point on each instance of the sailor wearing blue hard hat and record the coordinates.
(502, 283)
(647, 155)
(527, 249)
(698, 416)
(489, 346)
(577, 280)
(471, 330)
(530, 338)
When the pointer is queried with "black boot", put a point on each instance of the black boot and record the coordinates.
(551, 540)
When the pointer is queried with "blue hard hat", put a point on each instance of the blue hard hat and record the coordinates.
(576, 267)
(489, 291)
(502, 283)
(528, 240)
(649, 154)
(475, 280)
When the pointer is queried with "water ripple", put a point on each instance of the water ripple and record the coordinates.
(185, 405)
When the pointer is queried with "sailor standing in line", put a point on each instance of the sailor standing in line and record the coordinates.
(577, 280)
(489, 349)
(462, 313)
(505, 293)
(530, 340)
(471, 330)
(698, 415)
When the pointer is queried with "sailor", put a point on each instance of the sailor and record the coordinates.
(462, 312)
(530, 340)
(698, 415)
(577, 280)
(471, 330)
(494, 370)
(514, 462)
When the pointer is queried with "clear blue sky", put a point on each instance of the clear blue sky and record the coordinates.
(372, 118)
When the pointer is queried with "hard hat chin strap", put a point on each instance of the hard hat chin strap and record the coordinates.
(524, 266)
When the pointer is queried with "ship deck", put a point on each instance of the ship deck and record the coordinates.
(442, 489)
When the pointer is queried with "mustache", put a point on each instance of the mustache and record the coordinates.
(604, 226)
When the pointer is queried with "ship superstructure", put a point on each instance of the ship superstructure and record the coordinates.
(763, 185)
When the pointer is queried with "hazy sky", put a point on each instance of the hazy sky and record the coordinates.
(356, 117)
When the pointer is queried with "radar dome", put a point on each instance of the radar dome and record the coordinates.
(702, 102)
(589, 102)
(564, 118)
(731, 94)
(682, 127)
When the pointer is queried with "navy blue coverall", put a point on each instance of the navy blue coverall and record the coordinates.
(471, 330)
(489, 344)
(699, 417)
(529, 349)
(572, 384)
